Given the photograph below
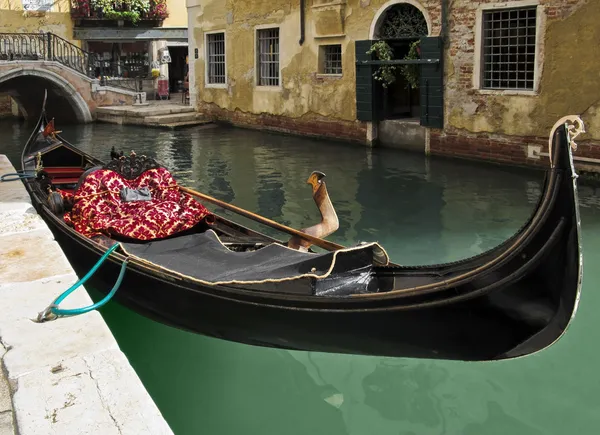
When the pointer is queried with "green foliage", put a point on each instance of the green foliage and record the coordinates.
(104, 5)
(132, 16)
(141, 6)
(411, 72)
(386, 74)
(127, 10)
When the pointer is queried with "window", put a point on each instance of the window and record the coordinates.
(121, 59)
(215, 59)
(509, 48)
(268, 57)
(331, 59)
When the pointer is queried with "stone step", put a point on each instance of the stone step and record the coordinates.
(143, 111)
(198, 122)
(171, 118)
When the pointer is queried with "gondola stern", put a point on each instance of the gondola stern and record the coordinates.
(561, 148)
(572, 131)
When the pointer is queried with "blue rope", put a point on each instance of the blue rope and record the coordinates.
(75, 311)
(19, 175)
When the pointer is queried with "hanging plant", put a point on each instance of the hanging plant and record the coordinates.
(386, 74)
(103, 6)
(411, 72)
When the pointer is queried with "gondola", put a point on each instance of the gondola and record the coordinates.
(221, 279)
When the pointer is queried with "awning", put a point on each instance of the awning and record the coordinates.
(129, 34)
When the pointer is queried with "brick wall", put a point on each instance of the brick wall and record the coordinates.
(461, 23)
(500, 148)
(512, 122)
(308, 125)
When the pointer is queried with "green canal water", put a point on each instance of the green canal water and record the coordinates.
(423, 211)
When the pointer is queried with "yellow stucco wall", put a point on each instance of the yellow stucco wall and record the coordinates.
(177, 14)
(569, 71)
(303, 91)
(58, 20)
(568, 74)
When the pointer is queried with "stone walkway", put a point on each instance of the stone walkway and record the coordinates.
(7, 426)
(66, 376)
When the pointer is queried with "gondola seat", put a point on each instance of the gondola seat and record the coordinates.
(101, 207)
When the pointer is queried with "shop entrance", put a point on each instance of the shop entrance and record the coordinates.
(178, 68)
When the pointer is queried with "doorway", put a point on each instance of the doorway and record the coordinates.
(178, 68)
(400, 26)
(399, 100)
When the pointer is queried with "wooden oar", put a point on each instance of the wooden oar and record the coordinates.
(322, 243)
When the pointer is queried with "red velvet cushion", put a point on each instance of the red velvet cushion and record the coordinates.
(98, 207)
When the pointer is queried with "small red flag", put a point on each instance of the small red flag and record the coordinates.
(49, 128)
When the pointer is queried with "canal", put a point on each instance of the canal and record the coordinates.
(423, 211)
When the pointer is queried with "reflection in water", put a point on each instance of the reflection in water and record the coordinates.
(422, 211)
(500, 424)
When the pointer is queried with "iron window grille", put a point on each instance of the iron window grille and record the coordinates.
(268, 57)
(332, 59)
(509, 48)
(216, 58)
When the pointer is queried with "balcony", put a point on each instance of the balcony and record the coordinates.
(125, 13)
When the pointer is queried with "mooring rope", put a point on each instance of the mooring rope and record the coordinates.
(14, 176)
(53, 310)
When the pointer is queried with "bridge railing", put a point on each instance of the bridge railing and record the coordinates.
(23, 46)
(62, 51)
(48, 46)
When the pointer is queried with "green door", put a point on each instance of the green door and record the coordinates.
(432, 83)
(366, 109)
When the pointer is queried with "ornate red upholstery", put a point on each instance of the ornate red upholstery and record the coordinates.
(98, 208)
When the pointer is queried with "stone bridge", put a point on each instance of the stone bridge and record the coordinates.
(72, 96)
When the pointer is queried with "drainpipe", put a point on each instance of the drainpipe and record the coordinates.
(444, 30)
(302, 4)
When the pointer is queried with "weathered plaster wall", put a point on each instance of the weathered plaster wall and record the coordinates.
(489, 125)
(304, 93)
(177, 14)
(58, 20)
(569, 72)
(5, 105)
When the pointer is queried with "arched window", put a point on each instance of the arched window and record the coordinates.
(400, 21)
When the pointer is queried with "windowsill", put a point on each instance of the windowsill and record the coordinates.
(410, 121)
(216, 85)
(329, 4)
(507, 92)
(329, 76)
(268, 88)
(335, 35)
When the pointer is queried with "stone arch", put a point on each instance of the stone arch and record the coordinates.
(66, 89)
(381, 13)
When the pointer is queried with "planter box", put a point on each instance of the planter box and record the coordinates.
(104, 22)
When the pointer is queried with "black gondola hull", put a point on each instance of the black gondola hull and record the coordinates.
(511, 301)
(492, 326)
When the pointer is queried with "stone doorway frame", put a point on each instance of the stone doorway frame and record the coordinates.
(373, 127)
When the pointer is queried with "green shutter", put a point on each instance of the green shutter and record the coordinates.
(432, 83)
(365, 95)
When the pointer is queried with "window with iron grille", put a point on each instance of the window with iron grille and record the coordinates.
(268, 57)
(215, 58)
(509, 48)
(331, 56)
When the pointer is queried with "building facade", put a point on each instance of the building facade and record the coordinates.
(128, 38)
(477, 79)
